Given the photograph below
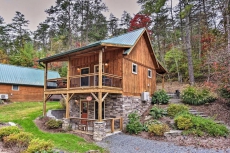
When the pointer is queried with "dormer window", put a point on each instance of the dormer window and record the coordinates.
(134, 68)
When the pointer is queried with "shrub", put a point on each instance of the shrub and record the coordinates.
(37, 145)
(134, 125)
(21, 139)
(225, 93)
(62, 103)
(201, 126)
(148, 123)
(6, 131)
(174, 109)
(183, 122)
(158, 129)
(160, 97)
(157, 113)
(53, 124)
(195, 96)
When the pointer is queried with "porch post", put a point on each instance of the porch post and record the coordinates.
(67, 106)
(100, 69)
(163, 81)
(45, 87)
(68, 74)
(100, 106)
(100, 86)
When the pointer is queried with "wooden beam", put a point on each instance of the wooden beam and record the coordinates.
(112, 125)
(64, 96)
(105, 96)
(100, 69)
(45, 76)
(99, 106)
(163, 81)
(68, 74)
(71, 96)
(95, 97)
(46, 97)
(67, 106)
(121, 123)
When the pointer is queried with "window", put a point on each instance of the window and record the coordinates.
(15, 87)
(134, 68)
(149, 73)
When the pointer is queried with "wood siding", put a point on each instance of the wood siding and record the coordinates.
(24, 94)
(112, 58)
(135, 84)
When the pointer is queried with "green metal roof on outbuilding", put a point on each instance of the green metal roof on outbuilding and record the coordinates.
(126, 40)
(11, 74)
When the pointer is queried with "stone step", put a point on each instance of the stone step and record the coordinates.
(173, 133)
(197, 113)
(202, 115)
(175, 100)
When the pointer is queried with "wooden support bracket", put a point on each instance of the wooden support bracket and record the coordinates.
(47, 97)
(64, 96)
(95, 97)
(105, 96)
(71, 96)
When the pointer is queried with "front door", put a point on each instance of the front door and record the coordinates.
(85, 80)
(96, 110)
(84, 111)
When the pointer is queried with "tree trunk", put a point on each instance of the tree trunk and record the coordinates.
(189, 50)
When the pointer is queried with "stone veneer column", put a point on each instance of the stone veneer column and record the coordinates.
(99, 131)
(66, 124)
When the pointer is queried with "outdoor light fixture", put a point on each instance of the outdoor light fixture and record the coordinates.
(106, 64)
(78, 68)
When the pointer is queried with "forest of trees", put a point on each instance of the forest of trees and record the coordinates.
(191, 39)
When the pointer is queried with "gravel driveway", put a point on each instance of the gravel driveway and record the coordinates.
(121, 143)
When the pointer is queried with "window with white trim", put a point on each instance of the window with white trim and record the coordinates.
(15, 87)
(149, 73)
(134, 68)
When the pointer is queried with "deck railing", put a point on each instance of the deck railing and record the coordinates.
(86, 81)
(86, 125)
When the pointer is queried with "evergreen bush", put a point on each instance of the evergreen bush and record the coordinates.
(160, 97)
(175, 109)
(134, 125)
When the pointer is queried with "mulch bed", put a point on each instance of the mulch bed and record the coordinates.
(40, 123)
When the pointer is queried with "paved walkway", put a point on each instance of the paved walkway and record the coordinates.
(122, 143)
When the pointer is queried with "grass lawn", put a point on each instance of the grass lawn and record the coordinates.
(24, 114)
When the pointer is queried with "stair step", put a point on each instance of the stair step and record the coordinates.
(202, 115)
(197, 113)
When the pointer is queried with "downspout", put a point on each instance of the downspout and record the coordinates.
(41, 64)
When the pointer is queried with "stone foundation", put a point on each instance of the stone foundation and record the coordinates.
(99, 131)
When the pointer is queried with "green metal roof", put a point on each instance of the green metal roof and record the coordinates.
(127, 39)
(11, 74)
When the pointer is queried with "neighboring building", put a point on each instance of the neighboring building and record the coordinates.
(23, 84)
(105, 80)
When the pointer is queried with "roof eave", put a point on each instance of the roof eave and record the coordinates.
(68, 52)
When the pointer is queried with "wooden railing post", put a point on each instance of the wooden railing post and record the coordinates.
(68, 74)
(45, 87)
(121, 123)
(67, 106)
(112, 125)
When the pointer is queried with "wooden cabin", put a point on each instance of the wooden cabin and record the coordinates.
(105, 79)
(23, 84)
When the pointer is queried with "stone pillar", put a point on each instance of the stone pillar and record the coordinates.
(66, 124)
(99, 131)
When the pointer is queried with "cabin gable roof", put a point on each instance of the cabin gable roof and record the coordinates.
(127, 41)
